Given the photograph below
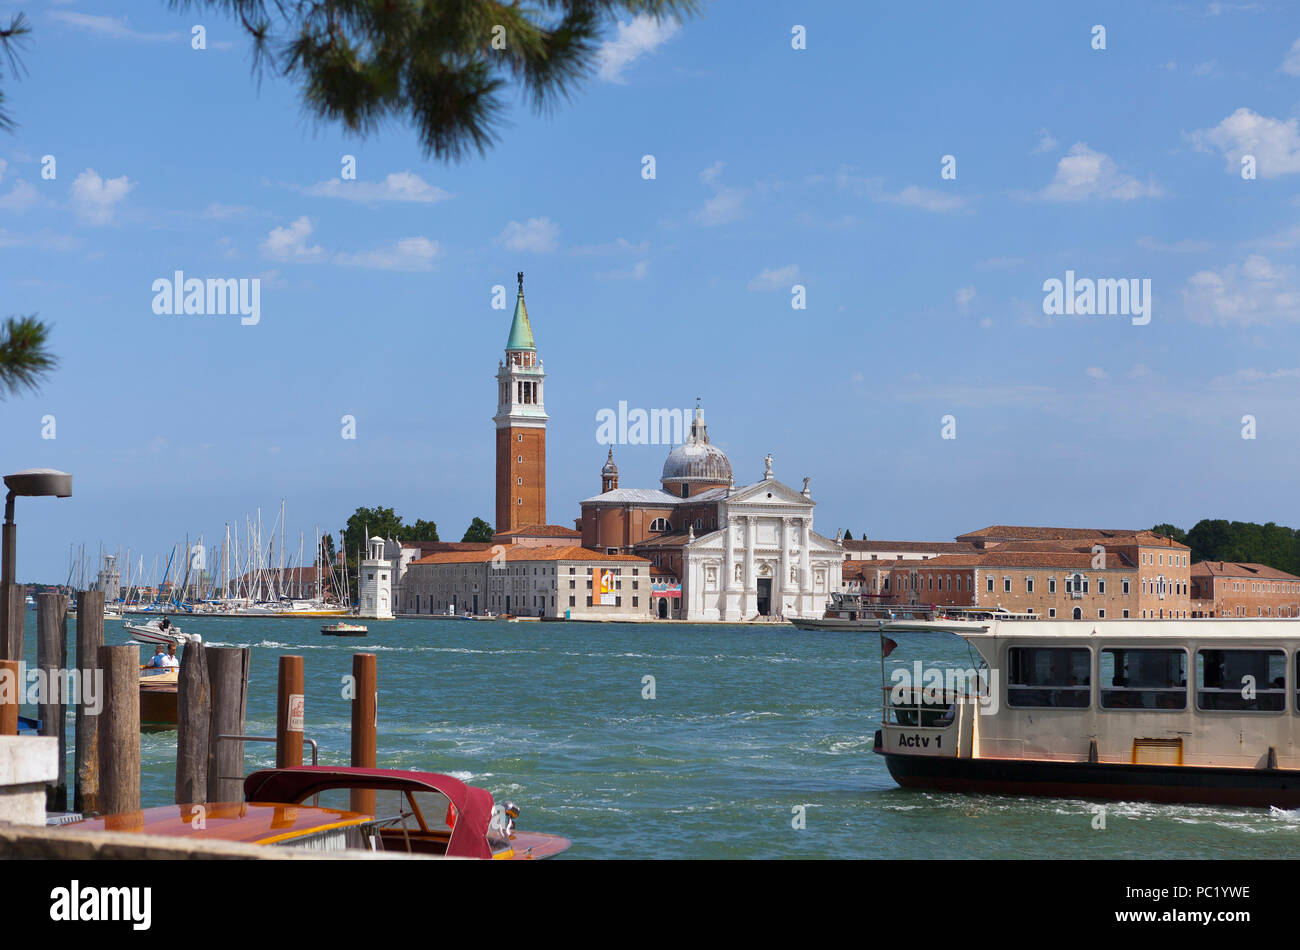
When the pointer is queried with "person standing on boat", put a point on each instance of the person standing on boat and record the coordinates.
(165, 624)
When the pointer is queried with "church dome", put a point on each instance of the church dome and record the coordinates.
(695, 460)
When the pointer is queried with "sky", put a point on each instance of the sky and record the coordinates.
(914, 174)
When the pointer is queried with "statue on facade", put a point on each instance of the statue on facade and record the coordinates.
(767, 462)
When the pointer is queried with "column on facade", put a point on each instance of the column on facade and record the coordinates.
(784, 584)
(728, 570)
(750, 525)
(805, 575)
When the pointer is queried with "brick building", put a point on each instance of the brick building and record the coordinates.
(1057, 573)
(1234, 589)
(521, 428)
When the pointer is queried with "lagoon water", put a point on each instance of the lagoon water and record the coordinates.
(747, 723)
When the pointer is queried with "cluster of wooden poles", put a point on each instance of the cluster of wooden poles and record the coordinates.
(211, 703)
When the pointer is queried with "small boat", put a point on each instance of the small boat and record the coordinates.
(343, 629)
(158, 695)
(858, 612)
(416, 813)
(154, 632)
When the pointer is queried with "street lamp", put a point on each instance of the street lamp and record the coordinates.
(30, 482)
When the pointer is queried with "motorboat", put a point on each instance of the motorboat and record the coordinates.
(155, 632)
(351, 811)
(343, 629)
(159, 691)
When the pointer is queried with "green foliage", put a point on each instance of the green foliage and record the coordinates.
(478, 530)
(421, 531)
(438, 64)
(1169, 531)
(848, 535)
(24, 358)
(11, 39)
(1217, 540)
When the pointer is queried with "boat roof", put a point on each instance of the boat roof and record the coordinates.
(473, 805)
(247, 822)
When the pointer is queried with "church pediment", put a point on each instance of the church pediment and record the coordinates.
(767, 492)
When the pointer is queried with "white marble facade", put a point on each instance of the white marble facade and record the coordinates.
(766, 560)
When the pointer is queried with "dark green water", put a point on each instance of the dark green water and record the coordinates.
(748, 722)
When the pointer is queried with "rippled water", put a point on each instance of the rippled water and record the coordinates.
(747, 723)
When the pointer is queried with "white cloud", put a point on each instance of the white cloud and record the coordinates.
(775, 278)
(727, 203)
(290, 243)
(1291, 64)
(20, 198)
(963, 297)
(398, 186)
(114, 28)
(912, 196)
(926, 198)
(44, 241)
(1256, 292)
(1085, 173)
(1274, 143)
(644, 34)
(618, 246)
(408, 254)
(538, 235)
(1096, 372)
(95, 199)
(1205, 69)
(1045, 142)
(637, 271)
(221, 212)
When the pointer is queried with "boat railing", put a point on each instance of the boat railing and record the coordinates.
(315, 752)
(923, 708)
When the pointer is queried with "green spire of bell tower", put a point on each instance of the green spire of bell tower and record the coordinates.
(521, 331)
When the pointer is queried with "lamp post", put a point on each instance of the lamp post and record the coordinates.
(30, 482)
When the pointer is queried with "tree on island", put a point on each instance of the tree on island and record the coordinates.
(848, 535)
(1271, 544)
(478, 531)
(438, 65)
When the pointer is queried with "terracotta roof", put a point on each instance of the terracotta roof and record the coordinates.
(997, 558)
(524, 552)
(429, 547)
(1240, 570)
(539, 531)
(944, 547)
(1009, 533)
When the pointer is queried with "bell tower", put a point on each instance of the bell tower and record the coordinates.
(521, 427)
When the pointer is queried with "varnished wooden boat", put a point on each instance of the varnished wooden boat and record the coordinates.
(158, 692)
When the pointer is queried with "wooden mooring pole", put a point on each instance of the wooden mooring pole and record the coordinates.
(290, 707)
(365, 723)
(193, 723)
(90, 637)
(118, 730)
(52, 662)
(11, 696)
(11, 646)
(228, 673)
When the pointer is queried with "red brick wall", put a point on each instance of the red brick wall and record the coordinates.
(510, 513)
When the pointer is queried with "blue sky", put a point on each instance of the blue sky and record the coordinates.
(774, 167)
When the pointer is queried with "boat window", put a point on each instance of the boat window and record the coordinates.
(1143, 679)
(1241, 680)
(1049, 677)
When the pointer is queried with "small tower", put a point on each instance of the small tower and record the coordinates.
(609, 474)
(521, 427)
(376, 600)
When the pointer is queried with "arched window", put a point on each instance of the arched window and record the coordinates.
(660, 524)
